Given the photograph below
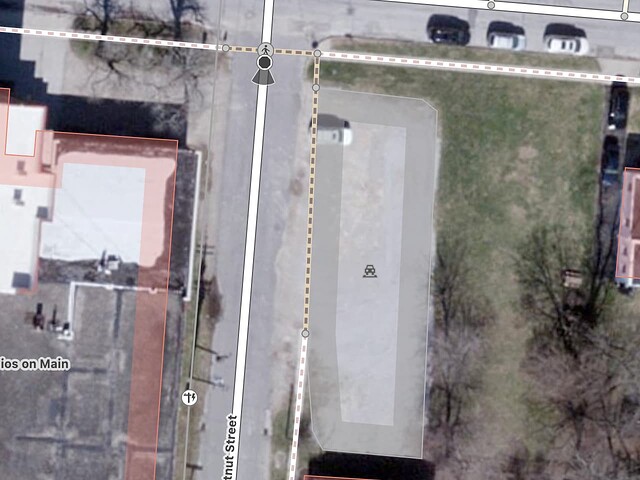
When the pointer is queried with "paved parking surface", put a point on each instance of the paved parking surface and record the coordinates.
(373, 206)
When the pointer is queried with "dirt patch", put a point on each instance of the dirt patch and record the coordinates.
(527, 152)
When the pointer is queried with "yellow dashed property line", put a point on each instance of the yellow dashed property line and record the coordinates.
(242, 49)
(312, 180)
(302, 364)
(316, 73)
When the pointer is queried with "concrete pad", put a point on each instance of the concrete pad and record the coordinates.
(370, 205)
(373, 202)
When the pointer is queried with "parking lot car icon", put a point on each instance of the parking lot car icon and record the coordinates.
(370, 272)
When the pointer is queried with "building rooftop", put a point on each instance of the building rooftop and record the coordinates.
(75, 198)
(628, 257)
(635, 214)
(23, 122)
(97, 208)
(23, 202)
(19, 208)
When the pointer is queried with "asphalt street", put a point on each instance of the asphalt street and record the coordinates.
(232, 179)
(379, 19)
(231, 213)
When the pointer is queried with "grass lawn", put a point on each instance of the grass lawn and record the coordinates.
(515, 153)
(481, 55)
(280, 444)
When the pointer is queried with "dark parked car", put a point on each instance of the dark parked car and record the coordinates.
(448, 30)
(618, 106)
(610, 160)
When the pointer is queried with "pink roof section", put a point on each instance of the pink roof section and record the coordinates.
(628, 258)
(54, 149)
(158, 158)
(23, 170)
(635, 199)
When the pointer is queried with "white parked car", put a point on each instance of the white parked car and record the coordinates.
(333, 130)
(506, 41)
(505, 36)
(566, 44)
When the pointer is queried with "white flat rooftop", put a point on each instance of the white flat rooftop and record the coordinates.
(97, 208)
(19, 248)
(24, 120)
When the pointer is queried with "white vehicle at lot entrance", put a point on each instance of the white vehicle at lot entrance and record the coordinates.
(333, 130)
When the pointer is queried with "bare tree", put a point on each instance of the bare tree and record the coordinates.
(179, 71)
(168, 118)
(454, 382)
(190, 68)
(103, 12)
(181, 9)
(560, 312)
(520, 464)
(594, 399)
(448, 283)
(456, 345)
